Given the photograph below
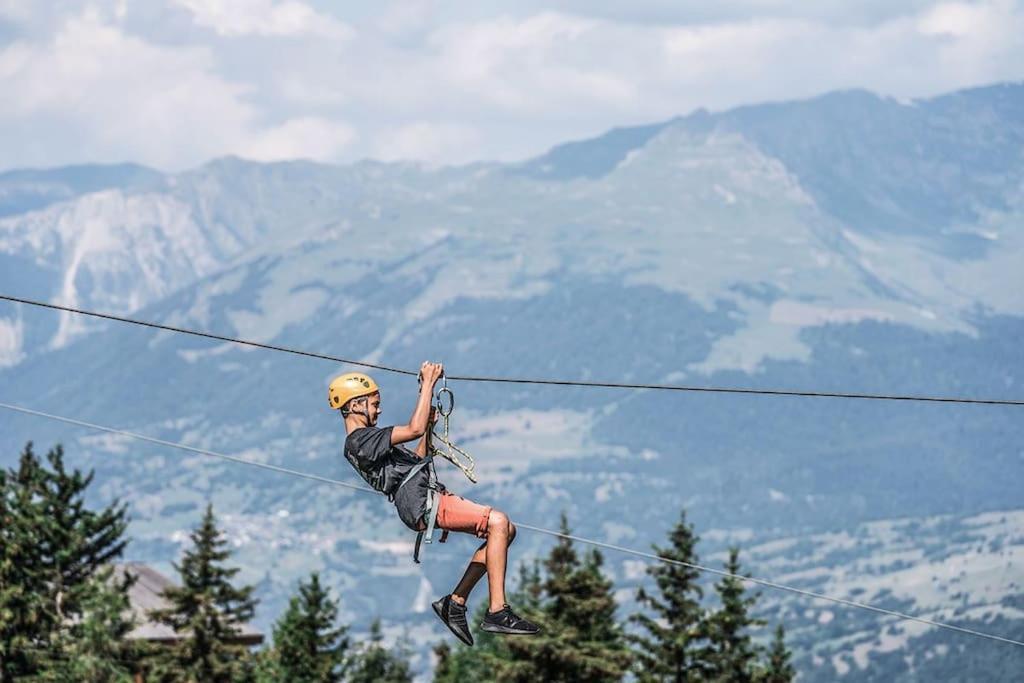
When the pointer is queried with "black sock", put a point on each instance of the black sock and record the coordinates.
(474, 572)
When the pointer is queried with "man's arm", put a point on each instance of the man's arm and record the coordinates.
(424, 444)
(419, 422)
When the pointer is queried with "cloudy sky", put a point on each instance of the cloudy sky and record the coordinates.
(173, 83)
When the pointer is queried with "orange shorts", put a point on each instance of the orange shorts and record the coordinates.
(455, 513)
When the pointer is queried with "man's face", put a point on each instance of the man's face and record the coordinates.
(373, 408)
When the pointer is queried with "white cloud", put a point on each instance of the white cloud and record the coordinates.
(972, 41)
(557, 76)
(12, 339)
(95, 93)
(118, 96)
(424, 141)
(301, 138)
(175, 82)
(264, 18)
(679, 12)
(532, 65)
(734, 42)
(12, 10)
(956, 20)
(404, 17)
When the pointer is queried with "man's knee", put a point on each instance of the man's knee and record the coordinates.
(511, 532)
(497, 522)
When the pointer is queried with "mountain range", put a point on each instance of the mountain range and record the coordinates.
(847, 243)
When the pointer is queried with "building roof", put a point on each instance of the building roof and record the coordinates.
(146, 595)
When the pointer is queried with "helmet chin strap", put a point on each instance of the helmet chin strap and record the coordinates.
(364, 413)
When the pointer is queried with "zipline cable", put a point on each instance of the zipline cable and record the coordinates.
(513, 380)
(541, 530)
(184, 447)
(770, 584)
(206, 335)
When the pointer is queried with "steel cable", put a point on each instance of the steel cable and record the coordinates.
(578, 539)
(514, 380)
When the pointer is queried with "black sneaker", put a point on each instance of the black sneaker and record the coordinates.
(454, 617)
(508, 622)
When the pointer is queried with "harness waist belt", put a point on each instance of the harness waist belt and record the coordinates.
(433, 502)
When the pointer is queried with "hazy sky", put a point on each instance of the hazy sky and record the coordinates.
(173, 83)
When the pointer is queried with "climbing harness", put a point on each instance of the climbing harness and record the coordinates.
(453, 454)
(435, 490)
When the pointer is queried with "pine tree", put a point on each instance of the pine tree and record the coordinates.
(732, 653)
(22, 624)
(53, 546)
(96, 648)
(607, 656)
(308, 646)
(78, 542)
(777, 668)
(374, 663)
(580, 638)
(670, 643)
(266, 668)
(529, 588)
(207, 612)
(444, 669)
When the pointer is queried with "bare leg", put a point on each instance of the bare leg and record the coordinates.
(499, 532)
(476, 570)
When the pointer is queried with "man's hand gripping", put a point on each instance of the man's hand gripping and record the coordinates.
(420, 422)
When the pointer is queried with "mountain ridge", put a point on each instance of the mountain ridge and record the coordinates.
(697, 256)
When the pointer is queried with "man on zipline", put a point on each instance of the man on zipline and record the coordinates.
(394, 470)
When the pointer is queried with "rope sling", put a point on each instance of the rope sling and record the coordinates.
(452, 453)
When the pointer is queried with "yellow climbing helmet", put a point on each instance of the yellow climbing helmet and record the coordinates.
(351, 385)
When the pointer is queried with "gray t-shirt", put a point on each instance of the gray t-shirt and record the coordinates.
(384, 466)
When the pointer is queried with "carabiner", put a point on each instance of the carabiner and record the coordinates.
(445, 391)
